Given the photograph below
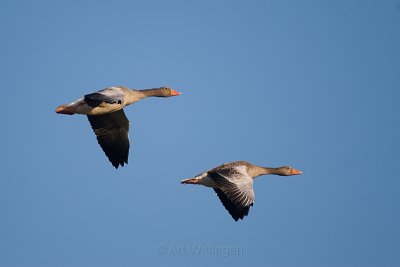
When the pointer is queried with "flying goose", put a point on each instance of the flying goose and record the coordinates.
(233, 183)
(104, 110)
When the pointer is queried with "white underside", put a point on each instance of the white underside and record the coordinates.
(80, 107)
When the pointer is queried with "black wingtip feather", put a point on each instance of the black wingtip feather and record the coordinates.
(235, 211)
(112, 135)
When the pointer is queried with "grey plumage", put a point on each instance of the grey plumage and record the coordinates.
(104, 110)
(235, 189)
(233, 183)
(112, 95)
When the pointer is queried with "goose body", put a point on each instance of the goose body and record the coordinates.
(233, 183)
(105, 113)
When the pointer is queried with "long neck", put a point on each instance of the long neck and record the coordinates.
(150, 92)
(136, 95)
(255, 171)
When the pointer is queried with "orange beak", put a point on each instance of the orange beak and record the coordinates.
(174, 92)
(296, 172)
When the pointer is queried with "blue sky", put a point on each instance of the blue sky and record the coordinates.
(313, 84)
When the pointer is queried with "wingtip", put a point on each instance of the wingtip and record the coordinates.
(115, 165)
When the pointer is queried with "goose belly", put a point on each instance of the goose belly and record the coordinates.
(81, 107)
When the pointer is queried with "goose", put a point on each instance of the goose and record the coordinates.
(233, 183)
(104, 110)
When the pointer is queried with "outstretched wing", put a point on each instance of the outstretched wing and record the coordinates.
(235, 190)
(112, 135)
(112, 95)
(233, 209)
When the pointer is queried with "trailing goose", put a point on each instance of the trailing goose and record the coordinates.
(233, 183)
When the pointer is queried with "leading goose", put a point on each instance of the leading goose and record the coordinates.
(104, 110)
(233, 183)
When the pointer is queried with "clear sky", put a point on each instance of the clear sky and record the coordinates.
(312, 84)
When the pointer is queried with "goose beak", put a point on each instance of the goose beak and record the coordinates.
(174, 92)
(296, 172)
